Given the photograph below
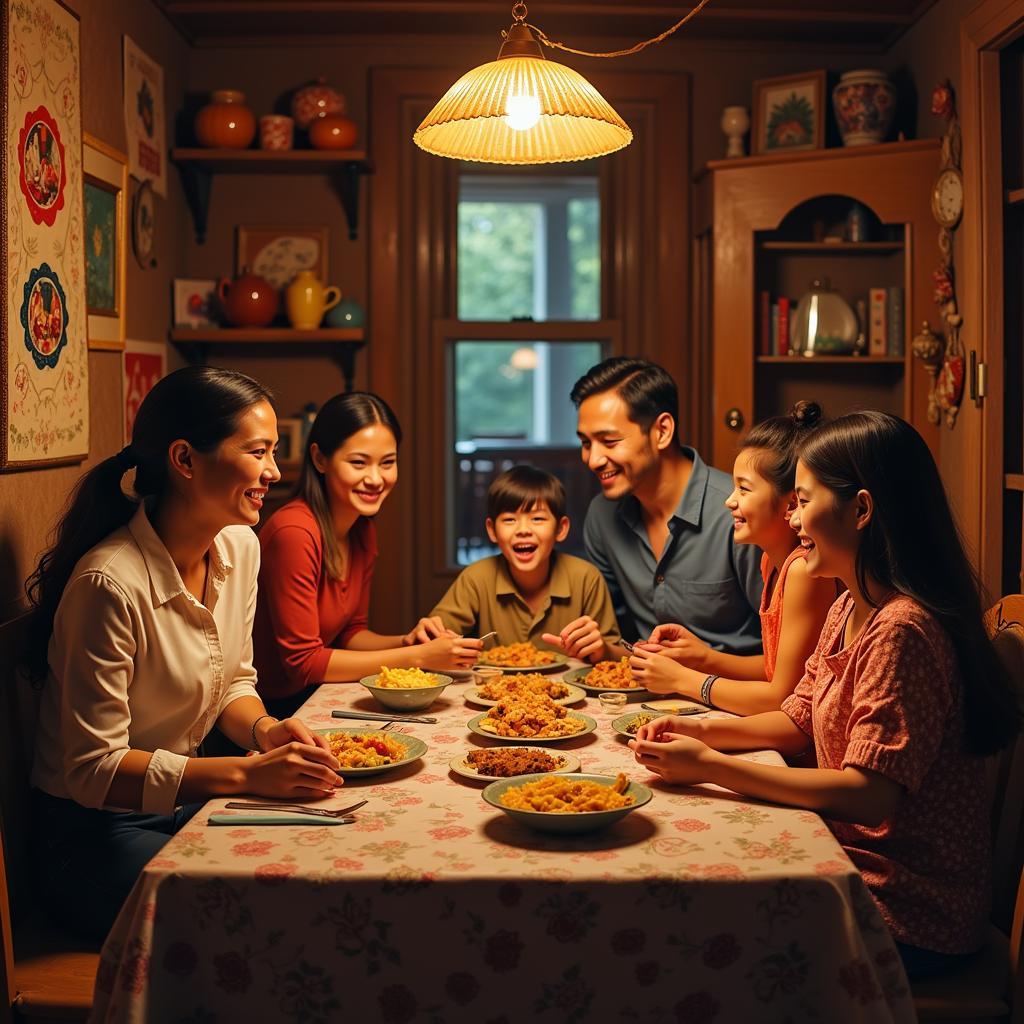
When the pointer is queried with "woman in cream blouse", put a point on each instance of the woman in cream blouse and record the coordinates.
(142, 636)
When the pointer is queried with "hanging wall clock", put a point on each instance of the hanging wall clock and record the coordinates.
(144, 225)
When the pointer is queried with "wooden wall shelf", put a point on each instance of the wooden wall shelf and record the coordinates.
(198, 167)
(846, 248)
(345, 342)
(1015, 196)
(799, 361)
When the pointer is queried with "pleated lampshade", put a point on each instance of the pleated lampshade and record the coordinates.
(471, 120)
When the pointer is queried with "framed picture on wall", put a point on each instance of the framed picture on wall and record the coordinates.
(145, 362)
(289, 443)
(195, 303)
(44, 365)
(277, 254)
(789, 112)
(105, 172)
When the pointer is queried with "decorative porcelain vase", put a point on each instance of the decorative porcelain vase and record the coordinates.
(823, 324)
(225, 122)
(735, 124)
(347, 313)
(316, 100)
(306, 300)
(276, 132)
(864, 104)
(248, 301)
(332, 131)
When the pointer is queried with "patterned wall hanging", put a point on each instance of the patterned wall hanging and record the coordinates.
(44, 387)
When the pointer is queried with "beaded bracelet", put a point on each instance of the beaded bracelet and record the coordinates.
(705, 690)
(255, 743)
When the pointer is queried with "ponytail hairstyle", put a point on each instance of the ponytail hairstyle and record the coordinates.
(777, 442)
(912, 545)
(201, 404)
(340, 418)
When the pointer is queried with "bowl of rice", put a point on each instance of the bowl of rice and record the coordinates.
(406, 689)
(567, 804)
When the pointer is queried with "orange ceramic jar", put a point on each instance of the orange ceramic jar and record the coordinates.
(225, 122)
(333, 132)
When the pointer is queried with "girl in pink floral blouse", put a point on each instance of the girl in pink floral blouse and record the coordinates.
(902, 699)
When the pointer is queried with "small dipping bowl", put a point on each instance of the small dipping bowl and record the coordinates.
(612, 701)
(482, 676)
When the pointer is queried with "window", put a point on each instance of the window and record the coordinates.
(528, 251)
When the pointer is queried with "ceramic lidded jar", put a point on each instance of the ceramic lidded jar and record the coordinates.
(347, 313)
(225, 122)
(306, 300)
(864, 103)
(316, 100)
(824, 323)
(248, 301)
(332, 131)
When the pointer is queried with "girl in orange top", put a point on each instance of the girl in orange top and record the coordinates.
(902, 699)
(793, 605)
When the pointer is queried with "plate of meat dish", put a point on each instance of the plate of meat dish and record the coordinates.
(510, 687)
(523, 658)
(537, 720)
(606, 676)
(504, 762)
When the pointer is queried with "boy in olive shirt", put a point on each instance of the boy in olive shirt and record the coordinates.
(530, 592)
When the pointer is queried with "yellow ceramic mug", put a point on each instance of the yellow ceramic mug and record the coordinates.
(306, 300)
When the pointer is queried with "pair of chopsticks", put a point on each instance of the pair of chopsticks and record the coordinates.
(373, 716)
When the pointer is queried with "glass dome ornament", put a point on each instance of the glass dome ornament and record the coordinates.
(824, 323)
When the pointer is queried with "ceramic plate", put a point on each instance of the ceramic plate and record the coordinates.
(566, 824)
(414, 750)
(578, 676)
(561, 660)
(461, 765)
(474, 726)
(407, 698)
(620, 723)
(576, 694)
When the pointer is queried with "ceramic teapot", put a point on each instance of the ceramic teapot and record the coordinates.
(248, 301)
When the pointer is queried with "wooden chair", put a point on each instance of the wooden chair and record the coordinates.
(991, 985)
(46, 975)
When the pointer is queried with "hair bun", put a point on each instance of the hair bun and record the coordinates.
(805, 414)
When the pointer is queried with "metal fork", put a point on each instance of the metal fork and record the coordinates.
(320, 812)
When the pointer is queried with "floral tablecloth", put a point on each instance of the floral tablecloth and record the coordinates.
(434, 907)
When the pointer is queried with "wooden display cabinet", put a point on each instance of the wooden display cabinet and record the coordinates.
(758, 220)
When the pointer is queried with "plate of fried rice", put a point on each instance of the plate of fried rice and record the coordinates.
(365, 752)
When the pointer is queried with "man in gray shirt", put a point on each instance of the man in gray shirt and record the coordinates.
(659, 531)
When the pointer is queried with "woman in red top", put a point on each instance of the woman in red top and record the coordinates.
(793, 604)
(318, 553)
(902, 699)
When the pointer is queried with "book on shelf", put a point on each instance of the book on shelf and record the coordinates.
(878, 322)
(783, 326)
(896, 335)
(764, 312)
(775, 328)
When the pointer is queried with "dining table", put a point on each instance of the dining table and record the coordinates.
(701, 906)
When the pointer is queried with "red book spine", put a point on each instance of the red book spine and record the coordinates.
(783, 326)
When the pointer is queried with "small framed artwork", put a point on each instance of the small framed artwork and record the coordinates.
(105, 174)
(195, 303)
(789, 112)
(277, 254)
(289, 443)
(145, 362)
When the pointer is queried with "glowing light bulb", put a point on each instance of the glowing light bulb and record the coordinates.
(522, 112)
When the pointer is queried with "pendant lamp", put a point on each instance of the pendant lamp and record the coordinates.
(525, 109)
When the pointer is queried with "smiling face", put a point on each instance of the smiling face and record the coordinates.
(758, 512)
(231, 482)
(527, 537)
(361, 472)
(618, 451)
(829, 529)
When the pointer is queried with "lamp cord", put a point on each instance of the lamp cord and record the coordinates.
(521, 19)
